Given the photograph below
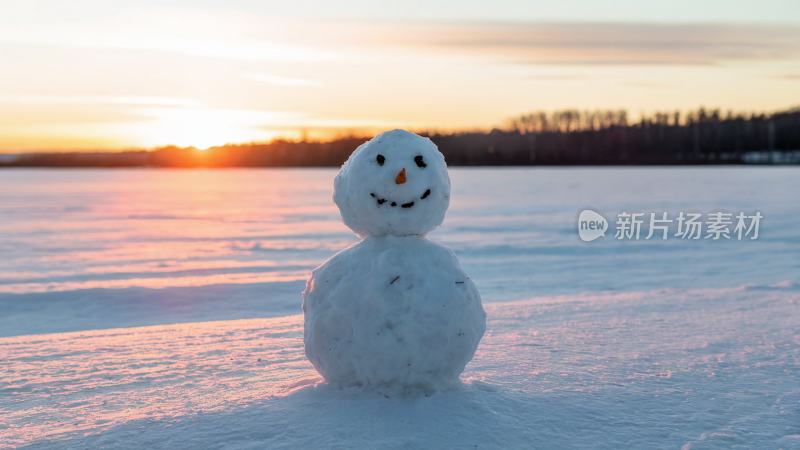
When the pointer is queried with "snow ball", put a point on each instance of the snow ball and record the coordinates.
(396, 184)
(392, 313)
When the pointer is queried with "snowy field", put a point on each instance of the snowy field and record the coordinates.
(159, 309)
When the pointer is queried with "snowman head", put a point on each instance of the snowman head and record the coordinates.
(394, 184)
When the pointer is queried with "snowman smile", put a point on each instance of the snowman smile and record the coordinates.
(380, 200)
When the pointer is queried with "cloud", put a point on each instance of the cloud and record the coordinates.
(99, 100)
(788, 76)
(555, 77)
(646, 84)
(604, 43)
(279, 80)
(252, 37)
(223, 35)
(234, 35)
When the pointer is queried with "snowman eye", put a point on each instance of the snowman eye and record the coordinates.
(420, 162)
(381, 159)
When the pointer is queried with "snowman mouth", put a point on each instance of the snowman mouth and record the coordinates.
(380, 200)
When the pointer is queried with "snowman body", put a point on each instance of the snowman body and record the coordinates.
(394, 311)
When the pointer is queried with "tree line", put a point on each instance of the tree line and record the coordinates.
(567, 137)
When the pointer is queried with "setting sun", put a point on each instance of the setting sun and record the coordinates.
(204, 128)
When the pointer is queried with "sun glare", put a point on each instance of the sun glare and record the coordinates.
(205, 128)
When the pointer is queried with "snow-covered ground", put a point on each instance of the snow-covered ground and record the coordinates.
(700, 368)
(158, 309)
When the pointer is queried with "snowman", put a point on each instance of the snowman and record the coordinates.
(394, 311)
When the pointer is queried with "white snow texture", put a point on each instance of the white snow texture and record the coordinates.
(394, 312)
(371, 200)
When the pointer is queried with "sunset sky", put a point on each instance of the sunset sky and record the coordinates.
(93, 74)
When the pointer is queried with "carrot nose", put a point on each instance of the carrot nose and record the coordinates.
(401, 177)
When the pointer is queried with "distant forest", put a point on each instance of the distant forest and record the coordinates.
(568, 137)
